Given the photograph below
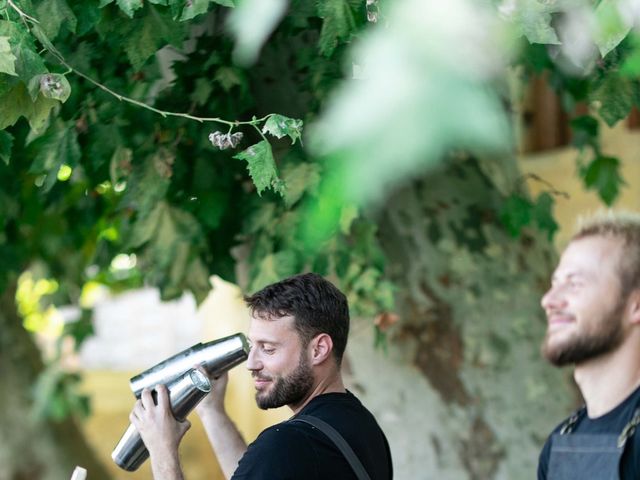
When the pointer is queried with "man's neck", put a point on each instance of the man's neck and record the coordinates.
(605, 382)
(329, 384)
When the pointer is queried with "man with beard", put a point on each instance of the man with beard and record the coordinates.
(593, 313)
(298, 334)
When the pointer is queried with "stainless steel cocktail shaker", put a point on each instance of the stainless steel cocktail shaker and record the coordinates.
(184, 394)
(216, 357)
(186, 386)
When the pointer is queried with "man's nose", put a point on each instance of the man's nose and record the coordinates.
(253, 362)
(553, 300)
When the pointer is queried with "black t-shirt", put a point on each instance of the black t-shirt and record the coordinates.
(612, 422)
(297, 451)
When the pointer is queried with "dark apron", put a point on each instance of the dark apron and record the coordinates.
(576, 456)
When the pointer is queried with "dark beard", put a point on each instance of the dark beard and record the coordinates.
(588, 345)
(288, 390)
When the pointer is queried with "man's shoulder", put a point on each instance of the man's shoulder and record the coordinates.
(271, 454)
(281, 433)
(336, 404)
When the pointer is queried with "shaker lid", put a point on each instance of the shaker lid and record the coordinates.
(200, 381)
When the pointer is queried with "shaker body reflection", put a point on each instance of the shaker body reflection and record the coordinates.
(216, 357)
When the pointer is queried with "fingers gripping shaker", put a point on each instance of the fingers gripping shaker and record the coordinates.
(186, 387)
(184, 393)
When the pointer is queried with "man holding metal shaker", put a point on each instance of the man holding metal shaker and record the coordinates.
(299, 328)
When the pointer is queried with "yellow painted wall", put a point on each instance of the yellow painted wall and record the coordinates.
(558, 167)
(224, 314)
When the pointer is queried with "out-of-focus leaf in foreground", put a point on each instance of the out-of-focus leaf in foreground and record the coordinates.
(251, 23)
(424, 91)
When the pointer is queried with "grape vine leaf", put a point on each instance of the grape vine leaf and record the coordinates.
(279, 126)
(129, 7)
(7, 58)
(53, 14)
(603, 175)
(262, 167)
(339, 22)
(6, 142)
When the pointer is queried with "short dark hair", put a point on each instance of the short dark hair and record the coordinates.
(316, 305)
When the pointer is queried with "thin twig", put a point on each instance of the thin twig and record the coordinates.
(23, 15)
(51, 49)
(553, 190)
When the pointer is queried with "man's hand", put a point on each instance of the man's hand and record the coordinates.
(213, 402)
(160, 431)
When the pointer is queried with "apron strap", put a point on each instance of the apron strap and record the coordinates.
(629, 429)
(572, 422)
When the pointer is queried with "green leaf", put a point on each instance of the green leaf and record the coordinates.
(533, 19)
(150, 34)
(348, 215)
(279, 126)
(129, 7)
(59, 146)
(87, 16)
(261, 165)
(542, 213)
(228, 77)
(171, 239)
(274, 267)
(27, 63)
(120, 167)
(585, 131)
(201, 93)
(40, 34)
(299, 178)
(194, 8)
(6, 142)
(212, 206)
(603, 175)
(7, 58)
(17, 103)
(52, 14)
(615, 95)
(148, 183)
(146, 226)
(339, 21)
(516, 214)
(631, 65)
(197, 280)
(611, 26)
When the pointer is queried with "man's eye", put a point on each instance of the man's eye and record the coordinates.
(268, 350)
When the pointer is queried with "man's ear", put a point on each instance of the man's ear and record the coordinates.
(321, 347)
(634, 307)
